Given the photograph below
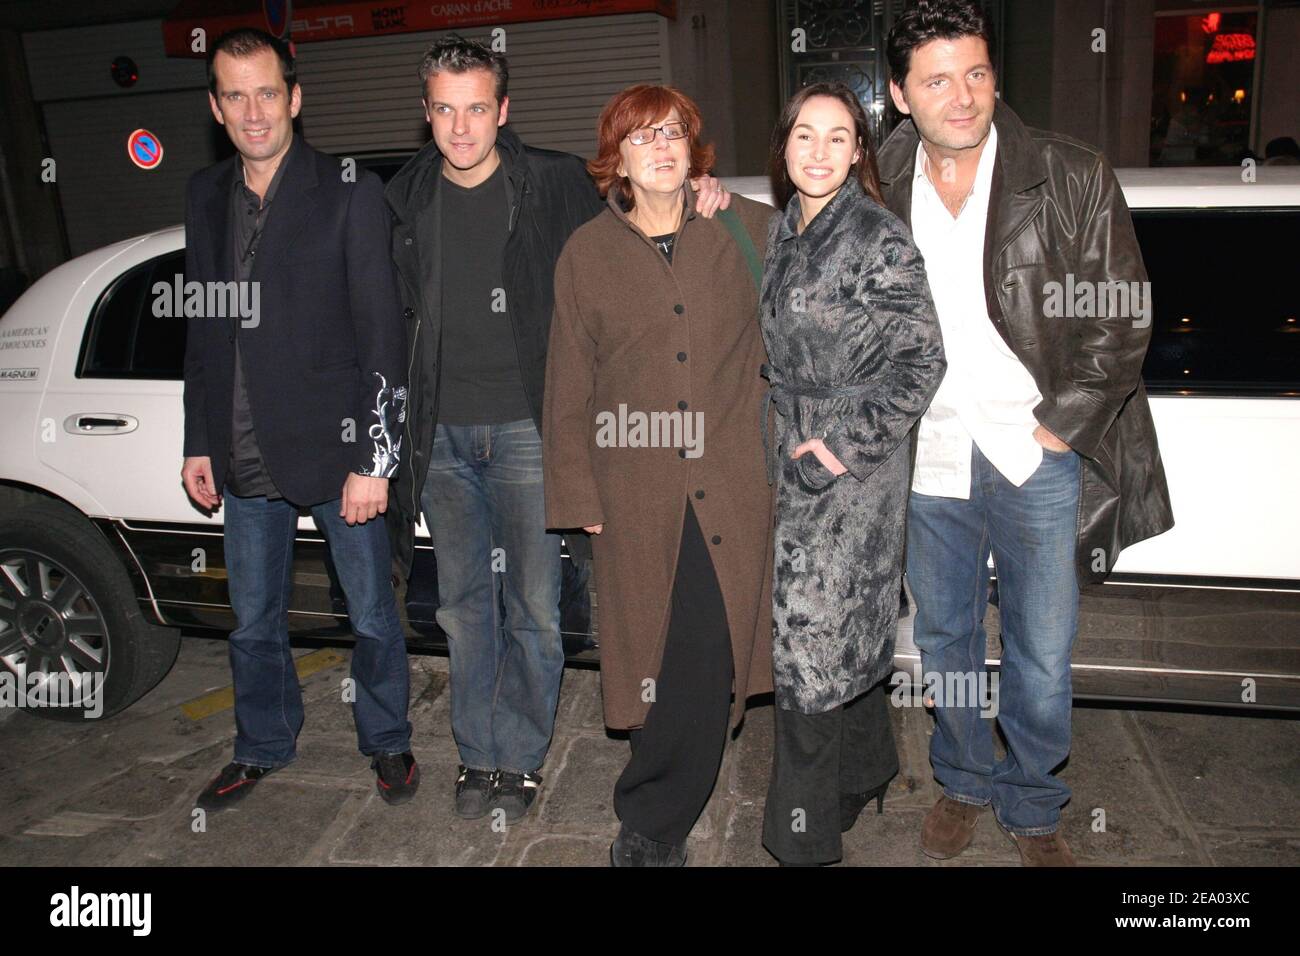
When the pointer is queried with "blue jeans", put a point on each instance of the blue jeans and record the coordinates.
(485, 511)
(259, 537)
(1031, 533)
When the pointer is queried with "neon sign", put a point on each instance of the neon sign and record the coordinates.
(1231, 47)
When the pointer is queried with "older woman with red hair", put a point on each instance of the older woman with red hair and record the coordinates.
(651, 444)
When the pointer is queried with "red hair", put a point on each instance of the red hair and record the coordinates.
(633, 108)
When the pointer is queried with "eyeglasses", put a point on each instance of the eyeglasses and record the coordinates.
(639, 137)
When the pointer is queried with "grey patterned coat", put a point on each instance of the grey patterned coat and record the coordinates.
(856, 355)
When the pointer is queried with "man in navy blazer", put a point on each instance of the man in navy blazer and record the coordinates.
(295, 394)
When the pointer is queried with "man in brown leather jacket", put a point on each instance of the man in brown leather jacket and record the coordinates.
(1039, 446)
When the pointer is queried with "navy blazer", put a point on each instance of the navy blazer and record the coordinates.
(324, 359)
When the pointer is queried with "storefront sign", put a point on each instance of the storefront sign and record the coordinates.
(313, 21)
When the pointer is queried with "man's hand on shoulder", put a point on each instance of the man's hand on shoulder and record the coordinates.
(363, 498)
(711, 196)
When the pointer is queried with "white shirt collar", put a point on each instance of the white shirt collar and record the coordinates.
(983, 173)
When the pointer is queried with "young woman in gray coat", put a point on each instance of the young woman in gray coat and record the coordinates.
(855, 357)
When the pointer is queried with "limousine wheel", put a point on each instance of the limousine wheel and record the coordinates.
(69, 621)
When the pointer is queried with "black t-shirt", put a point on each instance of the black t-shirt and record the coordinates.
(665, 244)
(480, 382)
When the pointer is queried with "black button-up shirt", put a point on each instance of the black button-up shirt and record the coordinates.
(247, 475)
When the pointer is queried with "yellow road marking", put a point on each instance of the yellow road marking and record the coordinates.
(224, 699)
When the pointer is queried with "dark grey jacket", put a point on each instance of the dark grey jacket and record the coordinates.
(551, 195)
(856, 356)
(1055, 209)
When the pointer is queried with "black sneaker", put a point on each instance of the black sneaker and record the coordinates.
(230, 786)
(515, 792)
(474, 792)
(397, 776)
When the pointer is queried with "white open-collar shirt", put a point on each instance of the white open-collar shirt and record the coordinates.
(987, 396)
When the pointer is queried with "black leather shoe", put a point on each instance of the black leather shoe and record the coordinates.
(632, 849)
(397, 776)
(851, 805)
(231, 785)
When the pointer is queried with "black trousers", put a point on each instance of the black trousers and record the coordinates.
(816, 757)
(677, 752)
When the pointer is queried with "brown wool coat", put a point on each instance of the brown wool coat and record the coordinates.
(616, 338)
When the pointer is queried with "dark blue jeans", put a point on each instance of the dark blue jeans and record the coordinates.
(259, 537)
(1031, 533)
(486, 514)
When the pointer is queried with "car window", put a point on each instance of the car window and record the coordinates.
(124, 339)
(383, 165)
(1226, 310)
(385, 169)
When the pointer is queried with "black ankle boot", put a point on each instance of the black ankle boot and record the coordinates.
(851, 804)
(632, 849)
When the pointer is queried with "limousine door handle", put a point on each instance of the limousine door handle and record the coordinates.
(100, 423)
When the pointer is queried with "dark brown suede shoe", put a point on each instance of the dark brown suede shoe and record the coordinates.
(1049, 849)
(948, 828)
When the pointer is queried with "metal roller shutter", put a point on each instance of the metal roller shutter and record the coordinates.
(363, 95)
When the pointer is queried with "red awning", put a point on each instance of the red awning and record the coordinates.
(313, 20)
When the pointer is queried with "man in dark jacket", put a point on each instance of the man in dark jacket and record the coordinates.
(1039, 446)
(481, 220)
(294, 404)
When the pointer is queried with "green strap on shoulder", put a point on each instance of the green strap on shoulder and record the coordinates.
(738, 232)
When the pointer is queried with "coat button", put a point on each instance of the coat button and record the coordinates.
(681, 453)
(407, 313)
(681, 356)
(700, 494)
(408, 242)
(682, 406)
(679, 308)
(717, 539)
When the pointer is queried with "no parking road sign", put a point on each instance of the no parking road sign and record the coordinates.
(145, 149)
(279, 14)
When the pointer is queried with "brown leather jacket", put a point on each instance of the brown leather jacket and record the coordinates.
(1056, 211)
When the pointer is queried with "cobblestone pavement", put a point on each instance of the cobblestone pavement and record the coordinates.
(1176, 787)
